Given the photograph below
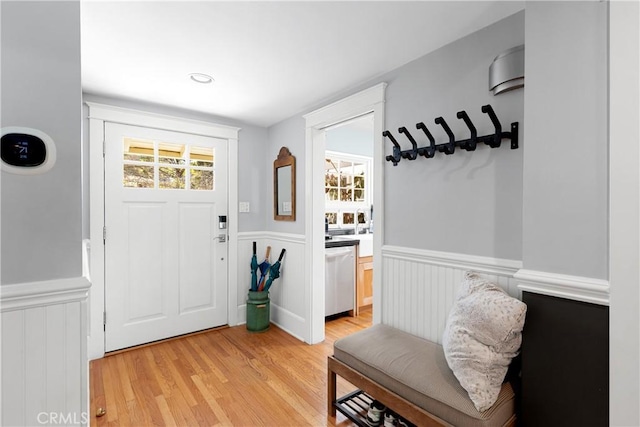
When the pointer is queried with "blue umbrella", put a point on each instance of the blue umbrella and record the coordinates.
(254, 269)
(274, 271)
(264, 269)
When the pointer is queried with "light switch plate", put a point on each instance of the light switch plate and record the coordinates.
(244, 207)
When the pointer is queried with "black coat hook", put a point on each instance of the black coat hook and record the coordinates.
(413, 153)
(470, 144)
(429, 151)
(494, 140)
(497, 136)
(450, 147)
(395, 158)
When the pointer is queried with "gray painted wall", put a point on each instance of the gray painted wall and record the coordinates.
(469, 202)
(291, 134)
(565, 226)
(252, 149)
(42, 214)
(466, 203)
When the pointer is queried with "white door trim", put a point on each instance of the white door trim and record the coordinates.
(624, 213)
(98, 115)
(366, 101)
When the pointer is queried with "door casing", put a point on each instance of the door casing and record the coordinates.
(367, 101)
(98, 115)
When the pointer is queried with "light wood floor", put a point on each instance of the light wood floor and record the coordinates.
(225, 377)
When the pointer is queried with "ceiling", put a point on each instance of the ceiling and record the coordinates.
(270, 60)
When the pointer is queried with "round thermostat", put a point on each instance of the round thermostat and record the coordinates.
(26, 151)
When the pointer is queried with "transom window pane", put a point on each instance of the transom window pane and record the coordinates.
(163, 165)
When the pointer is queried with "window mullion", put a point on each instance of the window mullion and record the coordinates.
(156, 165)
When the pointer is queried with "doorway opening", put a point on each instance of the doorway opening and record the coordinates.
(368, 101)
(349, 207)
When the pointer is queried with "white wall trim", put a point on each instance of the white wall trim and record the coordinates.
(481, 264)
(99, 114)
(286, 237)
(346, 108)
(39, 294)
(585, 289)
(370, 100)
(624, 213)
(232, 229)
(113, 114)
(289, 322)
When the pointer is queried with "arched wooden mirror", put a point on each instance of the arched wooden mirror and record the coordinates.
(284, 186)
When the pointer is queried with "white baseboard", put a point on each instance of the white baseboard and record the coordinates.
(289, 322)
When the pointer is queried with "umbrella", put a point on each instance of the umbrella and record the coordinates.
(274, 271)
(264, 269)
(254, 268)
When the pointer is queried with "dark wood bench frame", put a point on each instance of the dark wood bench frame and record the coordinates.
(400, 405)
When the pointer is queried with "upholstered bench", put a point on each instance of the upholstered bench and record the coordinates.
(410, 376)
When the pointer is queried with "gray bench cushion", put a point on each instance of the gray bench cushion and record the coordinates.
(416, 369)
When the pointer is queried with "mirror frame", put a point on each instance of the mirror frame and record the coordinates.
(284, 159)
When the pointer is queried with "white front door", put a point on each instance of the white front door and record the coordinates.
(165, 260)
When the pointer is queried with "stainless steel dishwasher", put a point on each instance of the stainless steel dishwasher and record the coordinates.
(339, 279)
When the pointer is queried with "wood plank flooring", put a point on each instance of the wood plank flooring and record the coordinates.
(226, 377)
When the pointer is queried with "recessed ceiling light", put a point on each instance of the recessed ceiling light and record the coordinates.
(201, 78)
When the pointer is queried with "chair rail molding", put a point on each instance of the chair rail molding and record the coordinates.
(481, 264)
(22, 296)
(585, 289)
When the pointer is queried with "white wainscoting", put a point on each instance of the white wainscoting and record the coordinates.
(419, 286)
(287, 292)
(44, 353)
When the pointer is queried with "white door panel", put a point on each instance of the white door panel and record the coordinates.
(197, 248)
(165, 269)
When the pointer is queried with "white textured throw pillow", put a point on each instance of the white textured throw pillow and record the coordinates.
(482, 335)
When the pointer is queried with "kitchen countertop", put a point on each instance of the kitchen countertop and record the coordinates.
(340, 241)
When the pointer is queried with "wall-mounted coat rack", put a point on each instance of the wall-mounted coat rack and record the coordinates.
(494, 140)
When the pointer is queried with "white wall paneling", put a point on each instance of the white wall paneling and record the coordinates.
(44, 353)
(287, 292)
(419, 286)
